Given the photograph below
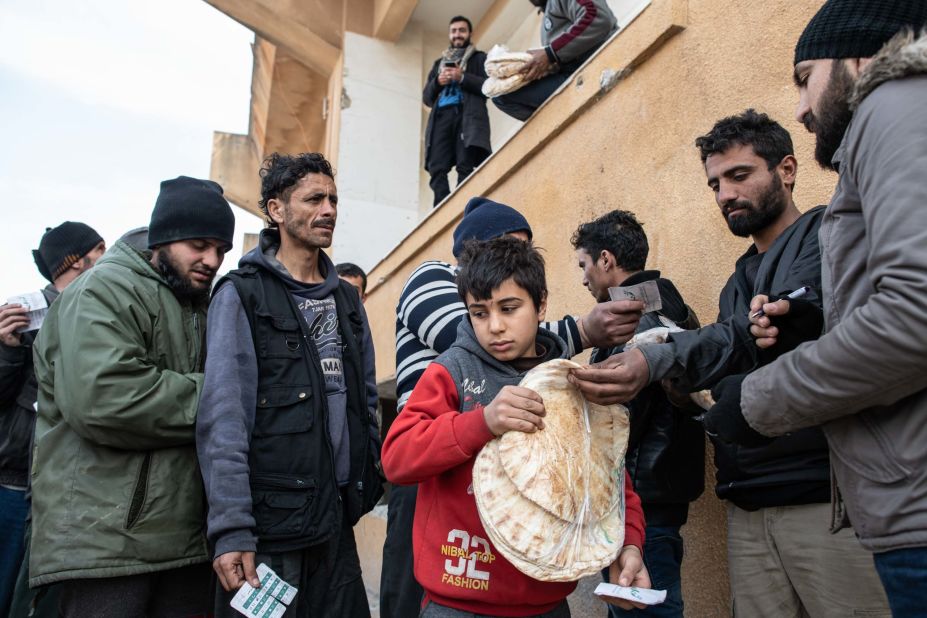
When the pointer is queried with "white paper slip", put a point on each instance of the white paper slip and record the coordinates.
(256, 602)
(638, 595)
(648, 292)
(36, 304)
(268, 601)
(275, 586)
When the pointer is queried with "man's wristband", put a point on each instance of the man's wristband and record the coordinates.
(551, 56)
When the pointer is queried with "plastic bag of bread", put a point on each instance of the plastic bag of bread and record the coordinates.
(552, 501)
(503, 68)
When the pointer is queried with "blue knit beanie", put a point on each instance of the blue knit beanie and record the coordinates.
(485, 219)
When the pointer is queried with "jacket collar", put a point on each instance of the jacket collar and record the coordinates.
(640, 277)
(905, 55)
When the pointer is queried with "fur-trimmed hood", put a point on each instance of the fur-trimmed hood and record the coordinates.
(902, 56)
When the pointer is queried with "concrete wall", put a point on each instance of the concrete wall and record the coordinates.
(378, 145)
(629, 144)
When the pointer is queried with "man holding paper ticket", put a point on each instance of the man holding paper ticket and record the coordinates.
(65, 252)
(782, 562)
(666, 449)
(861, 72)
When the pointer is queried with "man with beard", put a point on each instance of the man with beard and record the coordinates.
(117, 510)
(287, 433)
(781, 561)
(571, 31)
(861, 72)
(458, 126)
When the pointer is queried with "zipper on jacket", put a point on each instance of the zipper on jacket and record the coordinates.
(197, 342)
(365, 419)
(139, 493)
(317, 366)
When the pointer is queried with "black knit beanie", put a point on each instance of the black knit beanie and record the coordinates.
(190, 208)
(484, 219)
(62, 246)
(857, 28)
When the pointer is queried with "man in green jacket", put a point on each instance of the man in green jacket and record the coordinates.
(118, 510)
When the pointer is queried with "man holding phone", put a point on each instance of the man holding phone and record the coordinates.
(457, 134)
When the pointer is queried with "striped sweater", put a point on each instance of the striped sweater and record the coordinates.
(427, 315)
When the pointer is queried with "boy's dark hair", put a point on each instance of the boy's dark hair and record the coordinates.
(751, 128)
(618, 232)
(485, 265)
(457, 18)
(347, 269)
(280, 173)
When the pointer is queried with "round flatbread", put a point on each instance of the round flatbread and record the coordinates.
(553, 504)
(570, 468)
(534, 541)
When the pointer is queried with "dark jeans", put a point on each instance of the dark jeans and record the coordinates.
(13, 511)
(447, 150)
(524, 101)
(175, 593)
(33, 603)
(663, 559)
(904, 575)
(400, 594)
(327, 577)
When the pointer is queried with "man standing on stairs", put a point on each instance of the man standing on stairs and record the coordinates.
(458, 127)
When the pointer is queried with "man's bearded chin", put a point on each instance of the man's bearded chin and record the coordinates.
(460, 45)
(830, 123)
(769, 207)
(182, 287)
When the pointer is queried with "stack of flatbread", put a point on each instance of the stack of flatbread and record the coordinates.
(504, 71)
(552, 501)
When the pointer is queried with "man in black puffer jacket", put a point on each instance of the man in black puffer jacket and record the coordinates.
(666, 448)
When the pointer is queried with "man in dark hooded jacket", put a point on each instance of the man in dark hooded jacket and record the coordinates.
(286, 429)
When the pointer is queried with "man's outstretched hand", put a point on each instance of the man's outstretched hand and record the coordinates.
(611, 323)
(617, 379)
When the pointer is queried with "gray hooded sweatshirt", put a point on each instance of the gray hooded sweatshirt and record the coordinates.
(225, 418)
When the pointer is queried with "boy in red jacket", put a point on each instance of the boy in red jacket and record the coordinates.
(467, 397)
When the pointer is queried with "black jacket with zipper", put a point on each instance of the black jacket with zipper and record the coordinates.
(794, 469)
(296, 499)
(666, 448)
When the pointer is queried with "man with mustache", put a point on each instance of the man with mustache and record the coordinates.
(287, 433)
(457, 133)
(117, 497)
(781, 562)
(861, 72)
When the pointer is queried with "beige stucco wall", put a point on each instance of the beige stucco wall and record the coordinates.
(632, 148)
